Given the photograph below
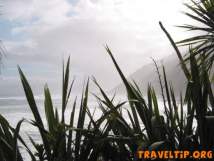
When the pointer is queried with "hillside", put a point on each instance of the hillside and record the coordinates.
(147, 74)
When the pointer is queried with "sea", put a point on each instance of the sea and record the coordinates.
(15, 109)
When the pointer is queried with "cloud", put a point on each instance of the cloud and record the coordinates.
(57, 28)
(29, 10)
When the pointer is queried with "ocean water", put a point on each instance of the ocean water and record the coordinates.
(16, 108)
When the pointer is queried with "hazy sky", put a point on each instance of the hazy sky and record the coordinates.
(39, 34)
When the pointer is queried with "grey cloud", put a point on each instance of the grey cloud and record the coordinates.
(134, 37)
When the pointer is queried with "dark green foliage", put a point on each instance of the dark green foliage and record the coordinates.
(9, 141)
(57, 139)
(202, 12)
(140, 122)
(172, 129)
(71, 141)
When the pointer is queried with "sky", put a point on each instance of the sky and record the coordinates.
(39, 34)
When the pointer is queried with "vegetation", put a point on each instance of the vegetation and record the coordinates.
(125, 127)
(202, 12)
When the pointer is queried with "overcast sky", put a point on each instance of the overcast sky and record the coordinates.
(39, 34)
